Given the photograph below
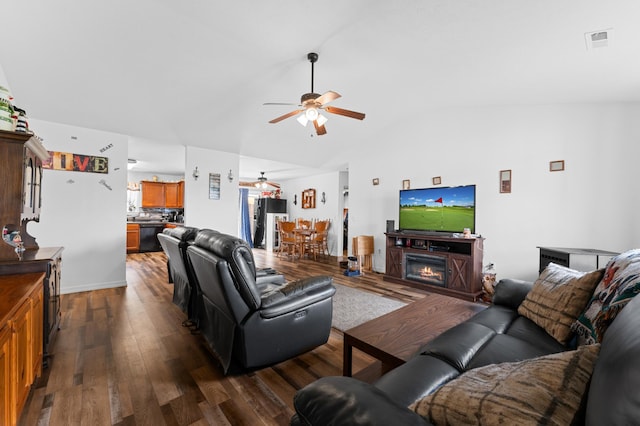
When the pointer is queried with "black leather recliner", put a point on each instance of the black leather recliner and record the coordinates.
(174, 242)
(251, 322)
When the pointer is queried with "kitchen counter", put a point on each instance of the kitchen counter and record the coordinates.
(153, 222)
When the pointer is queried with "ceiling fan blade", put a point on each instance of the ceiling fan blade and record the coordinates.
(280, 103)
(345, 112)
(327, 97)
(275, 185)
(287, 115)
(320, 130)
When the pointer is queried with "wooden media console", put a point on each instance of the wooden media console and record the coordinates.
(442, 264)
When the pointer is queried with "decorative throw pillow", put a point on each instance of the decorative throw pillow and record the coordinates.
(544, 390)
(620, 284)
(558, 297)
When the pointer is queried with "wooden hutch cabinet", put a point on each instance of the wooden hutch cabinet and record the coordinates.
(442, 264)
(20, 196)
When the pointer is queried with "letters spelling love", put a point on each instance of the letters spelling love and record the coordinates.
(76, 162)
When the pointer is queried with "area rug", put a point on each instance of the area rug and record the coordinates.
(352, 307)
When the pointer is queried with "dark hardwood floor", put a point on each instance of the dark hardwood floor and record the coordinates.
(123, 358)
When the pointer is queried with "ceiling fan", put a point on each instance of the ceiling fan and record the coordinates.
(261, 182)
(312, 104)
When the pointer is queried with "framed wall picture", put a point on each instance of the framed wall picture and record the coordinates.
(309, 198)
(376, 181)
(556, 166)
(505, 181)
(406, 184)
(437, 180)
(214, 186)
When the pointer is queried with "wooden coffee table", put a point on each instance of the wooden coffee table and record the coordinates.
(395, 337)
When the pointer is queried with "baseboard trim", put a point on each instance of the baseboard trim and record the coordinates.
(91, 287)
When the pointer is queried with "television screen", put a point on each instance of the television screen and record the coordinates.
(443, 209)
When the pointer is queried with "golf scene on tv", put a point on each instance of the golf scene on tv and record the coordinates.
(448, 209)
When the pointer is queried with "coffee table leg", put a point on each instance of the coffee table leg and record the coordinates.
(347, 354)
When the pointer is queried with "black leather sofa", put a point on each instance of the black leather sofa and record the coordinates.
(497, 334)
(250, 321)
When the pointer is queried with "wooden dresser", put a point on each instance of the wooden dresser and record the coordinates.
(21, 321)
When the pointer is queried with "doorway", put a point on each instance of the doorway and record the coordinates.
(345, 232)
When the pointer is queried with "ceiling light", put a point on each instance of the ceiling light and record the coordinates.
(311, 113)
(599, 39)
(321, 120)
(302, 119)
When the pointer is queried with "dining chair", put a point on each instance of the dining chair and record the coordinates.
(305, 224)
(288, 242)
(318, 241)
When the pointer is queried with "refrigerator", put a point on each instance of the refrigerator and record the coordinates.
(267, 208)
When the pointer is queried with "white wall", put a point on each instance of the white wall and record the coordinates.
(82, 215)
(3, 80)
(592, 204)
(200, 211)
(329, 183)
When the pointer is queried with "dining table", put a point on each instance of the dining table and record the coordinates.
(303, 236)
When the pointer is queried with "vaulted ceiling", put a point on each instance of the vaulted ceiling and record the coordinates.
(198, 72)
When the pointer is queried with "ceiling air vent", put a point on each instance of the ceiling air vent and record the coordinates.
(598, 39)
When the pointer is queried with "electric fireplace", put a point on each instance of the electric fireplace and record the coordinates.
(426, 269)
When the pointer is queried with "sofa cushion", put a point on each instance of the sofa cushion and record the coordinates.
(621, 282)
(558, 297)
(545, 390)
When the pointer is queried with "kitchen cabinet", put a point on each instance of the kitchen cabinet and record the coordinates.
(21, 310)
(162, 194)
(174, 195)
(133, 237)
(152, 193)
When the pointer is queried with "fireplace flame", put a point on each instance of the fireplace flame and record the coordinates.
(427, 272)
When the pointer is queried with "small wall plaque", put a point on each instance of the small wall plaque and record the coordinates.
(556, 166)
(505, 181)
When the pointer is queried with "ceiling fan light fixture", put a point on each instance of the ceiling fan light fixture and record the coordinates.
(321, 120)
(311, 113)
(302, 119)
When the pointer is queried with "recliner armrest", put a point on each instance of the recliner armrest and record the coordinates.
(511, 292)
(296, 295)
(270, 279)
(268, 283)
(347, 401)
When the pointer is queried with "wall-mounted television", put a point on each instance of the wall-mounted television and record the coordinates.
(440, 209)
